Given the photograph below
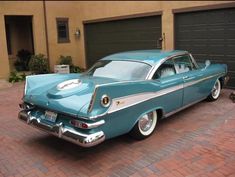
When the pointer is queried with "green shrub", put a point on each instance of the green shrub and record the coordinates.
(38, 64)
(76, 69)
(18, 65)
(22, 62)
(16, 77)
(67, 60)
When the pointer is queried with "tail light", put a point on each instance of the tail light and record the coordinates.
(85, 125)
(79, 124)
(26, 106)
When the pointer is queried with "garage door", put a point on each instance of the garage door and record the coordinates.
(103, 38)
(208, 35)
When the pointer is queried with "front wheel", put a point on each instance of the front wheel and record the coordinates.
(214, 95)
(145, 126)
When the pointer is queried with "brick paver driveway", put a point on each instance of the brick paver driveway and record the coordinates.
(199, 141)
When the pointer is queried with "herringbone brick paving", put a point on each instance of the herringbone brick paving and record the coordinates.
(199, 141)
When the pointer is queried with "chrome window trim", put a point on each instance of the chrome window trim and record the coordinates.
(131, 60)
(193, 61)
(152, 72)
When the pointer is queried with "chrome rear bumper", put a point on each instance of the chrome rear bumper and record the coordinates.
(59, 130)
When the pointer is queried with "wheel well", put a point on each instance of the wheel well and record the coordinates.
(221, 79)
(159, 113)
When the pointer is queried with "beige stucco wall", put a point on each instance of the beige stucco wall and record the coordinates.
(77, 12)
(63, 10)
(21, 8)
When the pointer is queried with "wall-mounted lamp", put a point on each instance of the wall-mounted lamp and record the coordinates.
(77, 33)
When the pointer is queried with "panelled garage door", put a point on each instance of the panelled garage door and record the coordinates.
(104, 38)
(208, 35)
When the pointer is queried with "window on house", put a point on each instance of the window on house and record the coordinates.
(62, 30)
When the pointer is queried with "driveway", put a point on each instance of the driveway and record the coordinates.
(199, 141)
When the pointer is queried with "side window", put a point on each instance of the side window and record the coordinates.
(165, 69)
(183, 63)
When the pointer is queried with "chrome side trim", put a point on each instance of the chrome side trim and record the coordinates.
(184, 107)
(131, 100)
(61, 131)
(91, 104)
(120, 102)
(187, 84)
(108, 84)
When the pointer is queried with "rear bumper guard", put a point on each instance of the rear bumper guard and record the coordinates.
(59, 130)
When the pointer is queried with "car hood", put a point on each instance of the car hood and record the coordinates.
(66, 95)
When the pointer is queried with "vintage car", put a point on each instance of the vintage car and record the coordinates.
(127, 92)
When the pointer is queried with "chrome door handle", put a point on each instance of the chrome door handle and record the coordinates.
(188, 78)
(185, 77)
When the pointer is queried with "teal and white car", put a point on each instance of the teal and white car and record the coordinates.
(122, 93)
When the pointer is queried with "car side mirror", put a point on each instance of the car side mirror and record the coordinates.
(207, 63)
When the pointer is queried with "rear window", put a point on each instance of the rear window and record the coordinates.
(121, 70)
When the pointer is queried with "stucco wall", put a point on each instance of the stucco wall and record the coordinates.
(21, 8)
(77, 12)
(68, 10)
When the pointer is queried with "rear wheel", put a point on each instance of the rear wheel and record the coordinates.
(215, 91)
(145, 126)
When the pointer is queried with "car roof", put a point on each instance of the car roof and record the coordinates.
(147, 56)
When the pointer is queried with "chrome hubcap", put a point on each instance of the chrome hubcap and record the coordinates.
(216, 90)
(145, 122)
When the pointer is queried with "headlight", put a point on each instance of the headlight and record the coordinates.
(105, 101)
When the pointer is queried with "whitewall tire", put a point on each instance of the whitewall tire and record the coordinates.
(215, 92)
(145, 126)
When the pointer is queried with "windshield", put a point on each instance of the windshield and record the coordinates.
(121, 70)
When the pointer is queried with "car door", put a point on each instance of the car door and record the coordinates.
(192, 79)
(171, 86)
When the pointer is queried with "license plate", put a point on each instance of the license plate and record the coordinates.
(50, 116)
